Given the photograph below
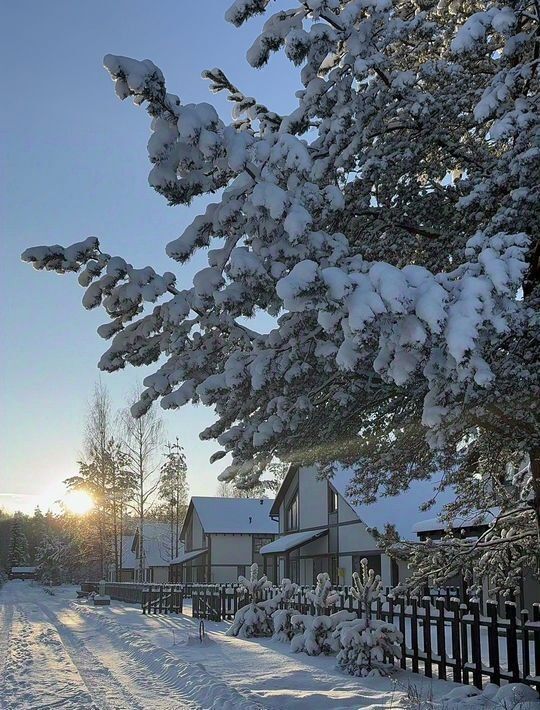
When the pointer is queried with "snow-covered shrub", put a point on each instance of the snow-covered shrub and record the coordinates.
(313, 633)
(365, 642)
(254, 619)
(281, 618)
(514, 696)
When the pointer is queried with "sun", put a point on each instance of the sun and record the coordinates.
(78, 502)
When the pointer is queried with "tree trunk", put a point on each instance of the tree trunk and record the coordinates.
(534, 455)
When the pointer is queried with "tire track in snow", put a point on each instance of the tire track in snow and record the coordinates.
(37, 673)
(107, 691)
(6, 620)
(191, 680)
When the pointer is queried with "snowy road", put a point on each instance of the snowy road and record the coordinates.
(55, 654)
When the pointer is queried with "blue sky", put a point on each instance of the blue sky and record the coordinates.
(74, 165)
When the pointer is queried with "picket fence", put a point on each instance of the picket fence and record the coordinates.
(466, 642)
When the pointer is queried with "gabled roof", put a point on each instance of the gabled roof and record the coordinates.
(128, 556)
(474, 520)
(402, 510)
(233, 515)
(156, 543)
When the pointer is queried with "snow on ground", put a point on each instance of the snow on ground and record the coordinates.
(59, 652)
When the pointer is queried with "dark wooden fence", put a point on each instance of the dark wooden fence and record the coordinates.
(466, 642)
(163, 599)
(442, 637)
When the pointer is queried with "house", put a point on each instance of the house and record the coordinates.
(222, 538)
(23, 573)
(150, 561)
(322, 530)
(470, 528)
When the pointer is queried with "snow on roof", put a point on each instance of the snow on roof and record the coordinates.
(289, 542)
(157, 550)
(235, 515)
(128, 556)
(156, 543)
(188, 556)
(471, 521)
(402, 510)
(27, 570)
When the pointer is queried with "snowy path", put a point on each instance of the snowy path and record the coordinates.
(54, 654)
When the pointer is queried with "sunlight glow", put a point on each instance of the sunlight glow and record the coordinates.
(78, 502)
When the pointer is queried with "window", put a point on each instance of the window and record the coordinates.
(189, 538)
(291, 518)
(332, 500)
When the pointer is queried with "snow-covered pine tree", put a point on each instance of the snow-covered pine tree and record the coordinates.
(18, 544)
(174, 490)
(255, 618)
(59, 556)
(389, 223)
(365, 642)
(313, 634)
(281, 618)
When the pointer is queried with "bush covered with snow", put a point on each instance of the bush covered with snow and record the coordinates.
(365, 643)
(254, 618)
(257, 617)
(281, 618)
(315, 634)
(514, 696)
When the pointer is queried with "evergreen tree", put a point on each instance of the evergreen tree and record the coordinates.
(18, 545)
(37, 530)
(174, 491)
(389, 225)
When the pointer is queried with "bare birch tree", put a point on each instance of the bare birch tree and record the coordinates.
(142, 442)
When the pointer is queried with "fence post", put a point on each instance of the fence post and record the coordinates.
(402, 604)
(511, 640)
(525, 643)
(493, 639)
(536, 635)
(441, 639)
(456, 645)
(426, 603)
(414, 633)
(463, 611)
(143, 597)
(476, 649)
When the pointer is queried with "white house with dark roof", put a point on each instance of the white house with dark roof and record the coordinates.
(222, 537)
(322, 530)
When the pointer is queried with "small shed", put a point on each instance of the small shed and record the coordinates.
(23, 573)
